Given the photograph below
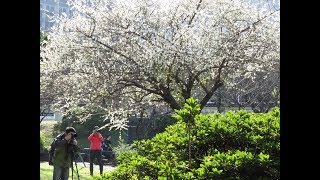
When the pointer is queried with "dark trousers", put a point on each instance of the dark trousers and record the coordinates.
(60, 173)
(96, 154)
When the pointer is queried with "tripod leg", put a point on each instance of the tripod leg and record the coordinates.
(77, 170)
(71, 170)
(82, 160)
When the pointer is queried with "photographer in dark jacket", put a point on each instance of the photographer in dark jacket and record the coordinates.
(106, 146)
(65, 146)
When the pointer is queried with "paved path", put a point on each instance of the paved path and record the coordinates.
(105, 167)
(80, 165)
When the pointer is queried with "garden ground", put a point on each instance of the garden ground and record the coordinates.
(46, 171)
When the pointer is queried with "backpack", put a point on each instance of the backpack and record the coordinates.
(53, 147)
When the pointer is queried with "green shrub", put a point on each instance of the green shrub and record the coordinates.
(162, 121)
(70, 119)
(42, 141)
(237, 145)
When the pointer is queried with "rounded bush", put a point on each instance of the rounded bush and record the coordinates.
(237, 145)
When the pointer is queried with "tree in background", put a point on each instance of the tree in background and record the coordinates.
(260, 94)
(127, 56)
(46, 89)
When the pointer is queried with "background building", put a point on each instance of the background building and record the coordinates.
(51, 116)
(52, 8)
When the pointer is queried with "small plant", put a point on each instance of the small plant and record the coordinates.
(190, 110)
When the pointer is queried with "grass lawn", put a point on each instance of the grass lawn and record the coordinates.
(46, 172)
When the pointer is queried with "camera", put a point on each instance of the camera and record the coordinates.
(73, 135)
(97, 129)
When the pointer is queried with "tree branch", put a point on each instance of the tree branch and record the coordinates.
(216, 85)
(194, 14)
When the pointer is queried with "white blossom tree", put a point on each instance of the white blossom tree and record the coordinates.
(47, 94)
(128, 56)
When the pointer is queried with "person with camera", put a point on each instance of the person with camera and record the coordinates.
(95, 139)
(64, 146)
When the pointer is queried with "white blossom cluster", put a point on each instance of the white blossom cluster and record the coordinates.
(124, 56)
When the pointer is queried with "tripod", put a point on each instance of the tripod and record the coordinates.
(73, 156)
(72, 159)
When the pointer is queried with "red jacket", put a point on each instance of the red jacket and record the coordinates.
(95, 142)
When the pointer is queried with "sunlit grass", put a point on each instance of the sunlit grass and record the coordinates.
(46, 172)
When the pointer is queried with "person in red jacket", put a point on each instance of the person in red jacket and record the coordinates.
(95, 139)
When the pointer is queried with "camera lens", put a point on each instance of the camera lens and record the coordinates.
(73, 135)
